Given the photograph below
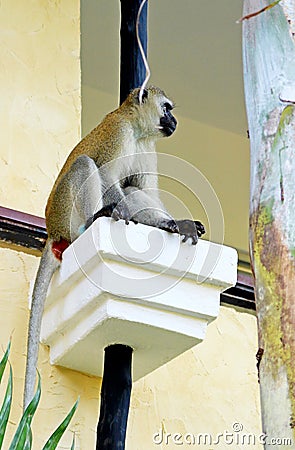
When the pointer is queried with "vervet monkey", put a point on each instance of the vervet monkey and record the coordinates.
(113, 170)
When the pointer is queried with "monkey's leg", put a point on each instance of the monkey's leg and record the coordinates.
(77, 197)
(114, 202)
(89, 195)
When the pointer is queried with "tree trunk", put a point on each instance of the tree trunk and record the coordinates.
(269, 77)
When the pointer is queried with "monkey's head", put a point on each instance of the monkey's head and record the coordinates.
(152, 117)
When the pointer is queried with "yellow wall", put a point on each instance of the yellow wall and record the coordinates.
(40, 112)
(40, 97)
(205, 390)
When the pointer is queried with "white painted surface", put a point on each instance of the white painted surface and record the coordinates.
(134, 285)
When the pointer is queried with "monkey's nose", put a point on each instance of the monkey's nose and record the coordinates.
(168, 125)
(172, 126)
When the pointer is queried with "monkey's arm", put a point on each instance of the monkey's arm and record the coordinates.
(146, 207)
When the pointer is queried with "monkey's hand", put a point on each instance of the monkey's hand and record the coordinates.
(188, 228)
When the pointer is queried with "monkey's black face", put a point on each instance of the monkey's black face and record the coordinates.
(168, 121)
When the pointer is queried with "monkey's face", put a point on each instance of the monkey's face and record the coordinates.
(167, 121)
(155, 113)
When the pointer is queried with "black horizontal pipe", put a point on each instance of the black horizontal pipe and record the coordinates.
(22, 229)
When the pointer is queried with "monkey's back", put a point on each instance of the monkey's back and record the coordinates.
(102, 144)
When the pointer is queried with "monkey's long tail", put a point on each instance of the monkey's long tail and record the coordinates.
(48, 265)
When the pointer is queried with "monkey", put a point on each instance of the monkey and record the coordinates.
(111, 172)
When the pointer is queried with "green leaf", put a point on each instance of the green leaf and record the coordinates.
(28, 435)
(5, 409)
(73, 443)
(22, 439)
(56, 436)
(4, 360)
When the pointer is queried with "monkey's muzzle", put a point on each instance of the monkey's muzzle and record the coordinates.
(168, 124)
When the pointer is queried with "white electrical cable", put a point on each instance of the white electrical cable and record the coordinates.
(148, 72)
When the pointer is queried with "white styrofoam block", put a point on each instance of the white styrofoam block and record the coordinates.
(133, 285)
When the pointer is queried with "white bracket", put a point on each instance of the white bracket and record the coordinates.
(133, 285)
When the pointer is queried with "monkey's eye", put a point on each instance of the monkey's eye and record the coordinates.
(167, 107)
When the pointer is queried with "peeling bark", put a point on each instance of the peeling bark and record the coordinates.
(269, 77)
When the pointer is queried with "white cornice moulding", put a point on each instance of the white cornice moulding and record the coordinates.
(133, 285)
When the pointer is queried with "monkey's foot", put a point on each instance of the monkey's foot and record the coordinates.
(121, 211)
(113, 210)
(188, 228)
(106, 211)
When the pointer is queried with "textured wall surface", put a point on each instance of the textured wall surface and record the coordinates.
(40, 97)
(40, 120)
(208, 389)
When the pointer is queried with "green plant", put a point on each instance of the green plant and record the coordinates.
(22, 439)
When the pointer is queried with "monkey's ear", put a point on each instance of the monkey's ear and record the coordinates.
(144, 95)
